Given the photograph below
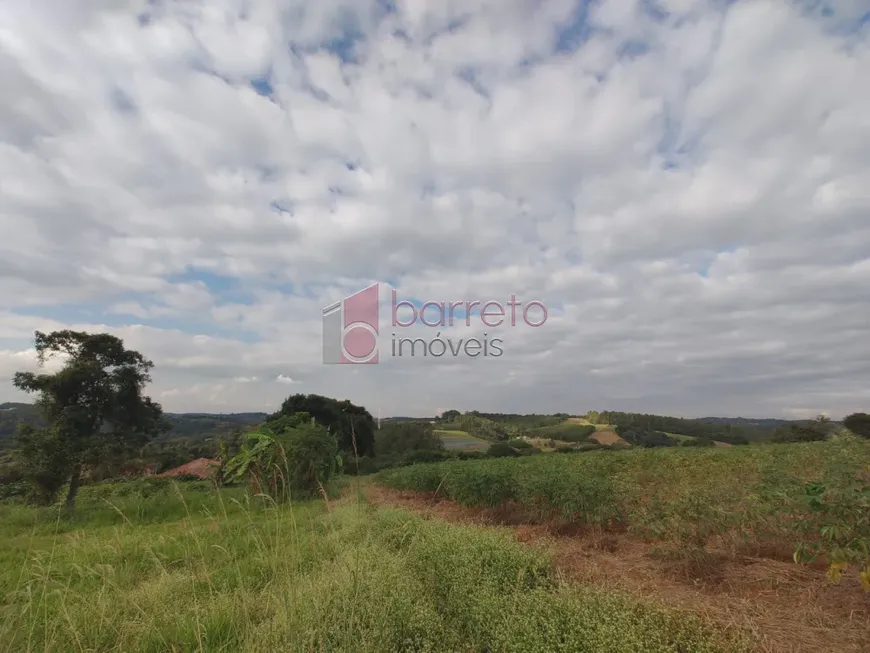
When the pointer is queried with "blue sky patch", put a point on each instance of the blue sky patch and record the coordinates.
(573, 34)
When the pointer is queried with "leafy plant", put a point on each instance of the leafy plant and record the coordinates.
(840, 530)
(299, 459)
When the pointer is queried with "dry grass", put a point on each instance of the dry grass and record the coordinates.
(788, 609)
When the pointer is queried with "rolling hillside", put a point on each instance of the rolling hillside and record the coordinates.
(184, 425)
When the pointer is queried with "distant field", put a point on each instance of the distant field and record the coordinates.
(684, 438)
(453, 439)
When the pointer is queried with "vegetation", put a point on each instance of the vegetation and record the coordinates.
(731, 431)
(859, 424)
(240, 564)
(183, 430)
(565, 432)
(683, 497)
(295, 460)
(399, 438)
(815, 431)
(94, 409)
(645, 438)
(501, 450)
(698, 442)
(352, 425)
(237, 574)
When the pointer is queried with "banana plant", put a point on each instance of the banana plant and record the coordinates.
(261, 456)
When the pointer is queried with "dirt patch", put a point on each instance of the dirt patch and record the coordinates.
(788, 608)
(606, 437)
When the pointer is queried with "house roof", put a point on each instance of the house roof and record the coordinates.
(201, 468)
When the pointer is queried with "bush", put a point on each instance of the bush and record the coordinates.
(501, 450)
(311, 457)
(796, 433)
(698, 442)
(519, 444)
(405, 437)
(297, 461)
(859, 424)
(647, 439)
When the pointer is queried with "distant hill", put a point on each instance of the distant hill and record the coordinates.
(745, 421)
(184, 425)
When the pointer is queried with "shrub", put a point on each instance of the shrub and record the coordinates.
(298, 461)
(859, 424)
(648, 439)
(839, 530)
(501, 450)
(698, 442)
(405, 437)
(797, 433)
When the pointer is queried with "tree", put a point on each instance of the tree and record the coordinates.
(859, 424)
(450, 415)
(395, 438)
(351, 425)
(94, 408)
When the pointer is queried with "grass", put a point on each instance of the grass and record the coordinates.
(187, 568)
(736, 498)
(453, 439)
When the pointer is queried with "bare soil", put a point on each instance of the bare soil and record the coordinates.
(606, 437)
(788, 608)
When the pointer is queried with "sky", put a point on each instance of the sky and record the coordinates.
(684, 184)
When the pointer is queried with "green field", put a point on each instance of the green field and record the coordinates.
(685, 497)
(454, 439)
(145, 568)
(568, 428)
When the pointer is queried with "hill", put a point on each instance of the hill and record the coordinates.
(183, 425)
(763, 423)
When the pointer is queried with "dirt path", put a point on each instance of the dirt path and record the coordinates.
(790, 609)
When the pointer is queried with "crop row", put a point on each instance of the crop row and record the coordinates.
(688, 496)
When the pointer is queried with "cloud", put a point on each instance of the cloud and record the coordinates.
(286, 380)
(681, 182)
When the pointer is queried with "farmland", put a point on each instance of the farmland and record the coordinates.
(147, 566)
(725, 522)
(454, 439)
(473, 532)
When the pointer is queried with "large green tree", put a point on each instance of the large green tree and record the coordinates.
(94, 406)
(352, 425)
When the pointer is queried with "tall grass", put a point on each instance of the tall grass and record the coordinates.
(193, 569)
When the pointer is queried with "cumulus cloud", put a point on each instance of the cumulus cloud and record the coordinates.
(682, 182)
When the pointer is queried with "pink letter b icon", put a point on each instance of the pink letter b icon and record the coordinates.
(350, 336)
